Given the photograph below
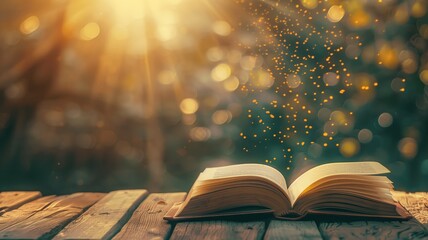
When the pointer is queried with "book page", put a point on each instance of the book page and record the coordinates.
(331, 169)
(245, 170)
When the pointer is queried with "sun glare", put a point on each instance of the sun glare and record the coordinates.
(127, 11)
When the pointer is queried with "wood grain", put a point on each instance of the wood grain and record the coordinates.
(147, 221)
(293, 230)
(415, 203)
(105, 218)
(44, 217)
(12, 200)
(411, 229)
(218, 230)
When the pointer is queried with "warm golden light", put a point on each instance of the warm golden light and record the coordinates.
(331, 79)
(29, 25)
(293, 81)
(200, 134)
(408, 147)
(349, 147)
(262, 79)
(90, 31)
(221, 117)
(424, 76)
(189, 106)
(222, 28)
(309, 4)
(231, 84)
(127, 11)
(359, 19)
(335, 13)
(221, 72)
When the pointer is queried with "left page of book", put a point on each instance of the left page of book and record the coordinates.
(242, 170)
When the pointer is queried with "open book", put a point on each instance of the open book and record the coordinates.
(346, 188)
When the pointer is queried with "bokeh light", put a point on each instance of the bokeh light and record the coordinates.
(90, 31)
(385, 120)
(189, 105)
(349, 147)
(335, 13)
(30, 25)
(133, 93)
(221, 72)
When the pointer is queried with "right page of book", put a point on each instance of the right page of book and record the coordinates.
(326, 170)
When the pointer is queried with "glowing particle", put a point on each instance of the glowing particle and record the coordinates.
(222, 28)
(365, 135)
(293, 81)
(262, 79)
(388, 57)
(401, 14)
(167, 77)
(424, 76)
(200, 134)
(330, 79)
(249, 62)
(309, 4)
(349, 147)
(408, 147)
(90, 31)
(338, 117)
(231, 84)
(385, 120)
(215, 54)
(359, 19)
(29, 25)
(189, 106)
(188, 119)
(419, 8)
(221, 72)
(221, 117)
(335, 13)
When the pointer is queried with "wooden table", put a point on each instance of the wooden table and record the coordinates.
(136, 214)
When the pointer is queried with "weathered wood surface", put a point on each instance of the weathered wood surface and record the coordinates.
(12, 200)
(416, 204)
(127, 215)
(218, 230)
(44, 217)
(373, 230)
(147, 221)
(293, 230)
(105, 218)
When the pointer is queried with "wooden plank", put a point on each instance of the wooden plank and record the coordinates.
(147, 221)
(105, 218)
(411, 229)
(415, 203)
(293, 230)
(12, 200)
(44, 217)
(219, 230)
